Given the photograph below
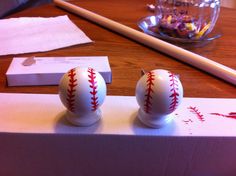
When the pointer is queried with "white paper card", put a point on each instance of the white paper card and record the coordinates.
(200, 142)
(37, 34)
(40, 113)
(49, 70)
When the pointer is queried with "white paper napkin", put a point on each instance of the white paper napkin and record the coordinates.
(37, 34)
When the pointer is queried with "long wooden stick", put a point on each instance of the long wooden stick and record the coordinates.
(207, 65)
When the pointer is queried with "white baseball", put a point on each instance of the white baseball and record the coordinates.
(82, 91)
(158, 93)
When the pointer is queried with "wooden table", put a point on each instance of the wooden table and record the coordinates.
(127, 57)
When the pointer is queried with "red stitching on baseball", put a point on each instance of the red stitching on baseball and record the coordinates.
(174, 92)
(93, 86)
(197, 112)
(149, 91)
(71, 90)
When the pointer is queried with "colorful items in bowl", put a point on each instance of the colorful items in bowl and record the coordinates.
(185, 19)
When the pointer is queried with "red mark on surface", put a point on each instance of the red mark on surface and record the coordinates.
(93, 86)
(174, 92)
(149, 91)
(229, 115)
(188, 121)
(197, 112)
(190, 132)
(71, 89)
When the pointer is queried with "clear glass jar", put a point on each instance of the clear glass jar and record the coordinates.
(186, 19)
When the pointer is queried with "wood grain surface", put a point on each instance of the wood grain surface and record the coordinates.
(228, 3)
(127, 57)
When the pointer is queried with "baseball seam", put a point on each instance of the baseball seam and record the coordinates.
(71, 90)
(93, 85)
(149, 90)
(174, 92)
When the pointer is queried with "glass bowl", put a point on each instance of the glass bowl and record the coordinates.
(186, 21)
(149, 25)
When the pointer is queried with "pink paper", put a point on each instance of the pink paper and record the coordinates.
(36, 34)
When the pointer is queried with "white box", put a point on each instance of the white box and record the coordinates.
(36, 139)
(49, 70)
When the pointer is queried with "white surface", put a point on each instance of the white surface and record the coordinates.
(36, 34)
(41, 113)
(41, 72)
(37, 140)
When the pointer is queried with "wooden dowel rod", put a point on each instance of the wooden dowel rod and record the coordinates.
(207, 65)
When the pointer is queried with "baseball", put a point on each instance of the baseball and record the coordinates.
(158, 93)
(82, 91)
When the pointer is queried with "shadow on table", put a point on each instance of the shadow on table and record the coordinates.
(22, 6)
(141, 129)
(62, 126)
